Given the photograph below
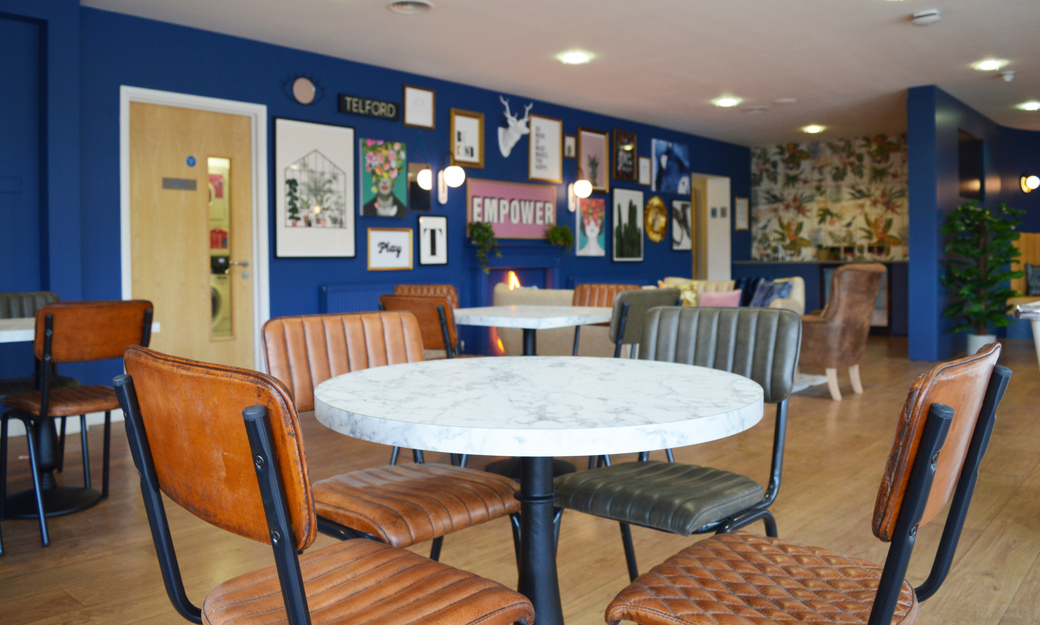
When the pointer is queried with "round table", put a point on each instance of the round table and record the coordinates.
(537, 408)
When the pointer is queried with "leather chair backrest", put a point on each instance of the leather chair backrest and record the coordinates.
(302, 352)
(13, 305)
(599, 294)
(758, 343)
(91, 330)
(424, 307)
(639, 303)
(192, 417)
(447, 291)
(961, 385)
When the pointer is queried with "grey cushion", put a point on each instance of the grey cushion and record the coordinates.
(677, 498)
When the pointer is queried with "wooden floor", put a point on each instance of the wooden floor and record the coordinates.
(101, 568)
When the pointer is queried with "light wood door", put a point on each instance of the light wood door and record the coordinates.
(170, 230)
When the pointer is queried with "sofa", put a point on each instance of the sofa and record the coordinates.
(595, 340)
(689, 289)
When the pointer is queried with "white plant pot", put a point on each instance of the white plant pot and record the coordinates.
(978, 341)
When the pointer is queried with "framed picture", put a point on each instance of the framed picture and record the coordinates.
(389, 248)
(741, 219)
(418, 107)
(546, 159)
(644, 170)
(384, 178)
(467, 139)
(591, 227)
(433, 240)
(627, 238)
(314, 190)
(418, 197)
(682, 225)
(656, 221)
(570, 146)
(594, 158)
(671, 167)
(625, 156)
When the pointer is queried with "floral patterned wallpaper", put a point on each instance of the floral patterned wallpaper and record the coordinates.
(835, 200)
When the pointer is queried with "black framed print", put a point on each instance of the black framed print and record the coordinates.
(433, 240)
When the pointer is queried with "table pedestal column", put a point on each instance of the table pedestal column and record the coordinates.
(538, 580)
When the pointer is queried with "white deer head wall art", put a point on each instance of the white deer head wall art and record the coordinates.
(507, 137)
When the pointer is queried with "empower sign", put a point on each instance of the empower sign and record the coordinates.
(515, 210)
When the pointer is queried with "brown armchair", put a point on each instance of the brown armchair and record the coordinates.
(837, 337)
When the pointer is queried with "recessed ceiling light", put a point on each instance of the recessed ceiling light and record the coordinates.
(813, 129)
(1032, 105)
(409, 7)
(574, 57)
(989, 65)
(726, 101)
(785, 101)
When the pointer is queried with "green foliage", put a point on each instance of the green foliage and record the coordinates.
(628, 238)
(560, 235)
(483, 236)
(292, 199)
(979, 251)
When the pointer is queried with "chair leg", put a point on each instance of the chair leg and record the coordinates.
(514, 522)
(86, 450)
(61, 448)
(832, 384)
(435, 548)
(3, 463)
(107, 454)
(857, 385)
(630, 551)
(670, 454)
(770, 522)
(30, 439)
(394, 454)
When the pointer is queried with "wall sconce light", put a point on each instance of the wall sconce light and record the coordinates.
(580, 188)
(449, 176)
(1030, 183)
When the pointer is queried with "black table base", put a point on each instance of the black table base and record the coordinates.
(57, 501)
(538, 578)
(510, 467)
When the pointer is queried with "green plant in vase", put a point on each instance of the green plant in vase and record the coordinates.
(979, 250)
(483, 236)
(560, 235)
(593, 168)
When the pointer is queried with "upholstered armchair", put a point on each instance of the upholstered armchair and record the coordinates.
(837, 337)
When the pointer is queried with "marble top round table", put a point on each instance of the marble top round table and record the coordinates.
(537, 408)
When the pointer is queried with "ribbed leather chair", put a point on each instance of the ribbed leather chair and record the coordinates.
(596, 295)
(742, 578)
(837, 337)
(630, 308)
(401, 504)
(436, 320)
(207, 436)
(72, 332)
(447, 291)
(758, 343)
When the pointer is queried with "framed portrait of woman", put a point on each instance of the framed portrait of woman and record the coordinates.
(384, 178)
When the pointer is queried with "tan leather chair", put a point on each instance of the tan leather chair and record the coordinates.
(71, 332)
(436, 321)
(596, 295)
(940, 440)
(837, 337)
(402, 504)
(226, 445)
(447, 291)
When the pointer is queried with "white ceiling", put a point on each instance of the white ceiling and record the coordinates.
(847, 62)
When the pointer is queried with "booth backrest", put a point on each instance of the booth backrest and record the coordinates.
(14, 305)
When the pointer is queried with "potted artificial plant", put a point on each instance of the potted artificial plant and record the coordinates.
(560, 235)
(979, 250)
(483, 236)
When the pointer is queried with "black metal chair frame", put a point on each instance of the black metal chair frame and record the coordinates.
(47, 372)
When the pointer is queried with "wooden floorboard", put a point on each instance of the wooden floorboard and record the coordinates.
(101, 567)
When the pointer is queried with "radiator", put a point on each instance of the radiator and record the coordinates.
(338, 298)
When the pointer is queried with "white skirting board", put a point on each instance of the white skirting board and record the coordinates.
(15, 428)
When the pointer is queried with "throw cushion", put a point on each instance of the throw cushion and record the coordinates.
(1032, 279)
(729, 299)
(687, 293)
(767, 291)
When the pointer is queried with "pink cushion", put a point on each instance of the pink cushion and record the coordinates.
(719, 298)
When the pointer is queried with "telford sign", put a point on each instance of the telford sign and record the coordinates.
(367, 107)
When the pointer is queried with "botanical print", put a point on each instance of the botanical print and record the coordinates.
(839, 200)
(628, 225)
(594, 158)
(315, 193)
(671, 167)
(591, 226)
(384, 179)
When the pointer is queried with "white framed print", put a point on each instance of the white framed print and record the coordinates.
(682, 225)
(389, 248)
(546, 158)
(644, 170)
(314, 190)
(418, 107)
(433, 240)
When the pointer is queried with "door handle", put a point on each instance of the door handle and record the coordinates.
(241, 263)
